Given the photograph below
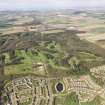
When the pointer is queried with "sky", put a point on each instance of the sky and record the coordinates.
(50, 4)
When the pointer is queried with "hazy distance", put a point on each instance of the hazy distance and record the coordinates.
(50, 4)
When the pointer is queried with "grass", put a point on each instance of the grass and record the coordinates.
(83, 56)
(96, 101)
(59, 100)
(98, 30)
(53, 83)
(26, 66)
(71, 99)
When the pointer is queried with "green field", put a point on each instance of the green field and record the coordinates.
(71, 99)
(96, 101)
(26, 66)
(100, 30)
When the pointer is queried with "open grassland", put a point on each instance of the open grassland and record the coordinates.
(71, 99)
(52, 67)
(96, 101)
(27, 63)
